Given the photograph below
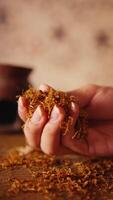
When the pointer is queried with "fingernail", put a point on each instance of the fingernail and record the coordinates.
(74, 107)
(36, 116)
(44, 87)
(20, 101)
(55, 113)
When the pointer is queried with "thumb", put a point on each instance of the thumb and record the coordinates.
(85, 94)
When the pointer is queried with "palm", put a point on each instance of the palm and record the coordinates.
(99, 141)
(100, 138)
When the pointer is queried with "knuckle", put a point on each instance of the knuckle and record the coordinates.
(26, 128)
(29, 127)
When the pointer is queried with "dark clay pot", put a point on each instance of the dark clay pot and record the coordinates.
(13, 80)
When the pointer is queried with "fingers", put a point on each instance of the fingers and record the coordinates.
(50, 138)
(85, 94)
(22, 108)
(44, 87)
(78, 146)
(40, 132)
(69, 140)
(74, 113)
(23, 103)
(97, 100)
(33, 127)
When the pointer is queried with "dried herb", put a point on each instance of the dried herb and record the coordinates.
(59, 178)
(48, 99)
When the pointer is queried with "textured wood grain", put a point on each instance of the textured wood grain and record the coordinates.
(22, 173)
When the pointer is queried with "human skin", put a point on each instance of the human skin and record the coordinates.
(46, 134)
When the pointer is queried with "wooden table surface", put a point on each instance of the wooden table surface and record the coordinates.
(8, 141)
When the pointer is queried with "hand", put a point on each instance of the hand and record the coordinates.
(98, 102)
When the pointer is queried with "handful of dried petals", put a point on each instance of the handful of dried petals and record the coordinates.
(48, 99)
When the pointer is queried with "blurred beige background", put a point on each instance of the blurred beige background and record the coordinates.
(68, 42)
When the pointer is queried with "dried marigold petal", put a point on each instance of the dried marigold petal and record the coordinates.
(58, 177)
(62, 99)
